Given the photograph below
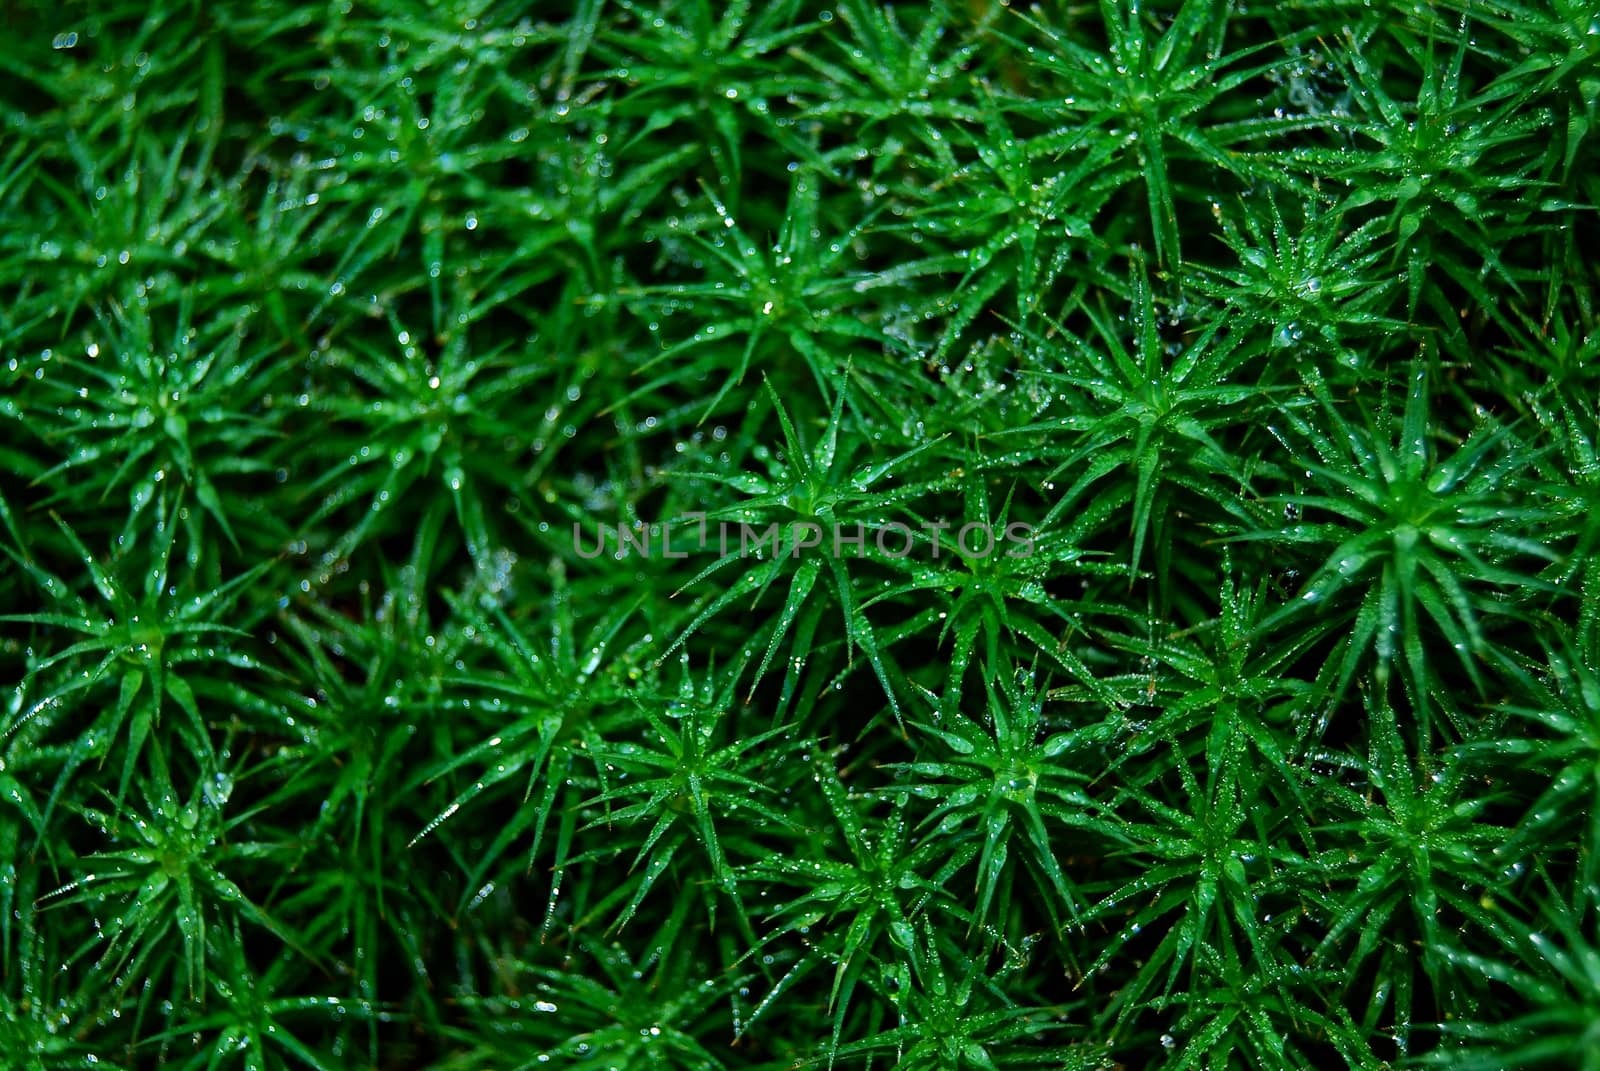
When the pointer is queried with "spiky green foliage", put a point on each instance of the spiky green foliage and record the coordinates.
(773, 535)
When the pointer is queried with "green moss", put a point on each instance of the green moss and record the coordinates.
(1162, 442)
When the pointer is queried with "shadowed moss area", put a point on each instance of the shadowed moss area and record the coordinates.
(764, 535)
